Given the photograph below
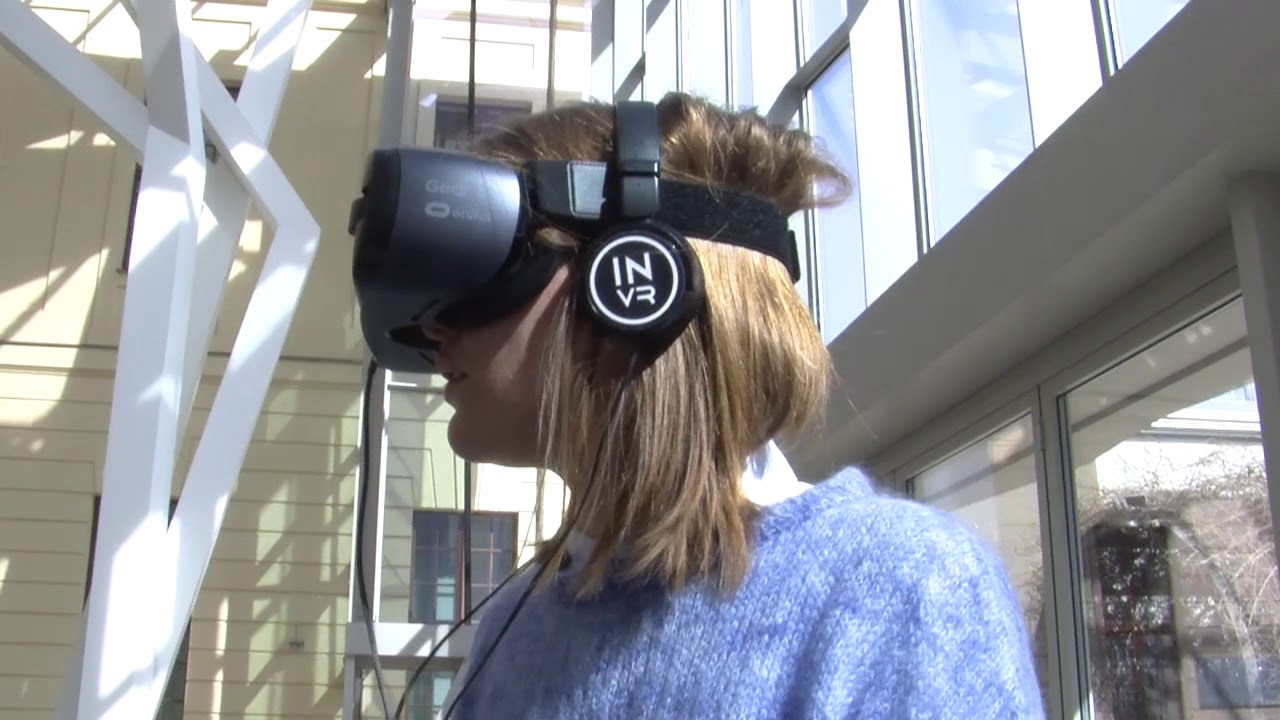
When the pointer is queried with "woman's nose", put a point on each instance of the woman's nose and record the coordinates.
(435, 332)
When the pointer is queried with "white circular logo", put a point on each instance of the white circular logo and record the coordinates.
(633, 280)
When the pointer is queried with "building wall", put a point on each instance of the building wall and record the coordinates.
(267, 622)
(265, 639)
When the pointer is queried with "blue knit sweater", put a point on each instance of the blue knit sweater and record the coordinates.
(857, 605)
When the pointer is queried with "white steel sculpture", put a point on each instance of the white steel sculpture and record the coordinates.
(186, 228)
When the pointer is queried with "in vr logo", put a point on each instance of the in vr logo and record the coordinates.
(437, 209)
(631, 289)
(633, 280)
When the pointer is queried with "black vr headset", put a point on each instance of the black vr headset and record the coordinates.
(448, 238)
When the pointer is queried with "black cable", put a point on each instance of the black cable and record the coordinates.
(358, 564)
(422, 666)
(614, 416)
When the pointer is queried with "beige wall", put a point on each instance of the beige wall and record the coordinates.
(279, 570)
(267, 627)
(65, 186)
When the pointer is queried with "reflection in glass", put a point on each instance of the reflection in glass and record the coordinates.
(842, 294)
(513, 51)
(977, 117)
(427, 697)
(1137, 21)
(990, 486)
(1180, 594)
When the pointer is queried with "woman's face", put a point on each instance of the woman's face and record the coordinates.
(494, 379)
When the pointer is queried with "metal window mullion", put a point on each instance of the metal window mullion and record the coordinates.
(731, 59)
(551, 53)
(395, 79)
(1066, 646)
(372, 480)
(916, 121)
(1255, 227)
(1104, 27)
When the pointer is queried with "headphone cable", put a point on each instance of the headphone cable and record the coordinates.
(614, 416)
(362, 503)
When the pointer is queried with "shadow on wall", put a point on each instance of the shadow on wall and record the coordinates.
(268, 627)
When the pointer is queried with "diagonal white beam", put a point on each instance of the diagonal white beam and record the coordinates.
(242, 131)
(234, 414)
(121, 675)
(226, 202)
(49, 54)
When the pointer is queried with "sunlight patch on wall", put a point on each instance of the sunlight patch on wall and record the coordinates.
(58, 142)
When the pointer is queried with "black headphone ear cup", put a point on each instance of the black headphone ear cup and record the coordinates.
(644, 283)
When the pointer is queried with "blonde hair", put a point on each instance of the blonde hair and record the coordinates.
(667, 503)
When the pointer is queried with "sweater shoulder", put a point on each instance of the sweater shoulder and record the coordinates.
(862, 530)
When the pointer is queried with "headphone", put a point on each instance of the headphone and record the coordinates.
(449, 238)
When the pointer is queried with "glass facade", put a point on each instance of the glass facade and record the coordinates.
(990, 486)
(1179, 584)
(1136, 21)
(821, 19)
(838, 230)
(972, 87)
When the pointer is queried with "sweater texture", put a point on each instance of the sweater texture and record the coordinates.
(857, 604)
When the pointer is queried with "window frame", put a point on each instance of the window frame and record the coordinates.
(463, 598)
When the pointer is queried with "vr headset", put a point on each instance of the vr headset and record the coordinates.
(449, 238)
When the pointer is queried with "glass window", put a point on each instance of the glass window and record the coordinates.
(513, 63)
(1061, 44)
(842, 292)
(1179, 583)
(887, 205)
(437, 571)
(425, 699)
(990, 486)
(453, 121)
(823, 17)
(973, 92)
(773, 50)
(1135, 22)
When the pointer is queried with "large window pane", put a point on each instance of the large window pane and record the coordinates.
(839, 229)
(974, 94)
(513, 52)
(887, 205)
(1180, 594)
(438, 572)
(769, 28)
(1137, 21)
(990, 486)
(822, 17)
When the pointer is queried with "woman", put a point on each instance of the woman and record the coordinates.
(694, 576)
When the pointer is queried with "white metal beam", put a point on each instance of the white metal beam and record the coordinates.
(122, 674)
(47, 53)
(145, 570)
(226, 202)
(251, 365)
(1255, 228)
